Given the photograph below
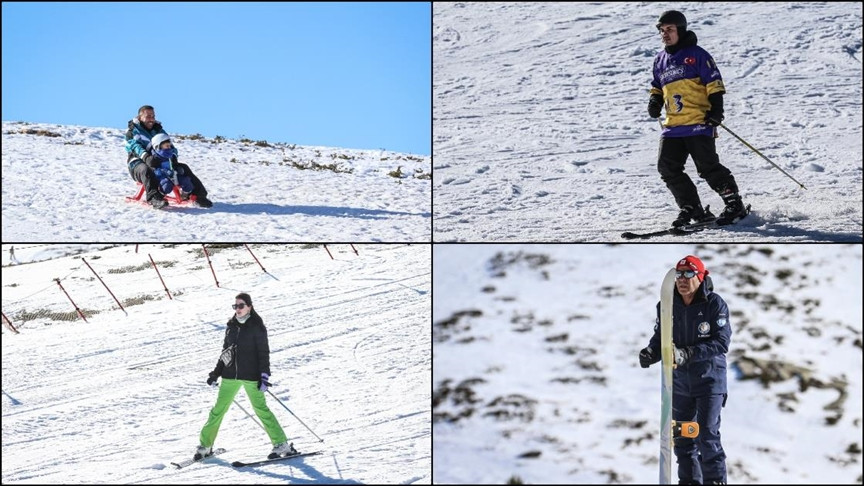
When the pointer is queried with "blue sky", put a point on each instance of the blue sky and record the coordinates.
(350, 75)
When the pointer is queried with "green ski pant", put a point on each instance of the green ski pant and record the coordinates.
(227, 390)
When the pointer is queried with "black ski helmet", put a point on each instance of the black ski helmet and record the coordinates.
(675, 18)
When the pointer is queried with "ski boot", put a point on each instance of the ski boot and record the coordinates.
(202, 452)
(734, 210)
(696, 213)
(284, 449)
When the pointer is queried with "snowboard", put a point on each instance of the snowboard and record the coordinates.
(669, 429)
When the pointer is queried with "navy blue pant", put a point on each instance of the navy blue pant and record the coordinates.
(700, 460)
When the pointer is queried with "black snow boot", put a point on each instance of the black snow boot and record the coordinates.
(204, 202)
(695, 213)
(157, 201)
(734, 210)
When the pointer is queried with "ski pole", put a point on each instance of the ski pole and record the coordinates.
(760, 155)
(292, 413)
(250, 416)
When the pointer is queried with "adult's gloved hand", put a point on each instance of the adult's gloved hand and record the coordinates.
(263, 383)
(212, 379)
(655, 104)
(682, 355)
(714, 116)
(647, 358)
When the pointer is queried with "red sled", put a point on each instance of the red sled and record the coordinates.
(174, 198)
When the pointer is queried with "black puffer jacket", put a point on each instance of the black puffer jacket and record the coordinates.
(246, 350)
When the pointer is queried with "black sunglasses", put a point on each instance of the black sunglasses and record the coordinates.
(238, 306)
(685, 273)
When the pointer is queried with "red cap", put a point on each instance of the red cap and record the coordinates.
(691, 262)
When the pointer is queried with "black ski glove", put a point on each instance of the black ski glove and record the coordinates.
(212, 379)
(655, 104)
(682, 355)
(714, 116)
(151, 161)
(647, 358)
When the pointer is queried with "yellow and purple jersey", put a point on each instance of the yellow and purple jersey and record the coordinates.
(685, 79)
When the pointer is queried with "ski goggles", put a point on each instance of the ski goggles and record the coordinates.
(685, 273)
(238, 306)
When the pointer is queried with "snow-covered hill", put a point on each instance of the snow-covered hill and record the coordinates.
(116, 399)
(541, 131)
(68, 183)
(537, 374)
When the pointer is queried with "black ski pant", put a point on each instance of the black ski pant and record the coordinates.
(700, 460)
(140, 172)
(670, 163)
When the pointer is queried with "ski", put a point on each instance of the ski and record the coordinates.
(268, 461)
(189, 462)
(667, 292)
(687, 229)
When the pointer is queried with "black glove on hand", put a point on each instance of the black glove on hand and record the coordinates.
(212, 379)
(647, 358)
(151, 161)
(655, 104)
(714, 116)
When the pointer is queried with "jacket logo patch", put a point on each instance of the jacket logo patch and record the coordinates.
(227, 356)
(690, 61)
(704, 328)
(721, 322)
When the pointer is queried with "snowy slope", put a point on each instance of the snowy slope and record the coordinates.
(71, 187)
(117, 399)
(537, 375)
(541, 131)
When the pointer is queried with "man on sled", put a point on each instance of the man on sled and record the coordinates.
(156, 167)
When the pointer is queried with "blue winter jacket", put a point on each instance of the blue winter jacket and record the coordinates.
(704, 326)
(138, 142)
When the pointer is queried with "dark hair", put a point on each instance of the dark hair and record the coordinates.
(245, 298)
(145, 107)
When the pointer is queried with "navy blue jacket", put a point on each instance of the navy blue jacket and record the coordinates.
(704, 326)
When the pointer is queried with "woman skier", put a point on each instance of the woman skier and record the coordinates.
(245, 361)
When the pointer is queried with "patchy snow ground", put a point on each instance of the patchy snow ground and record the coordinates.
(537, 373)
(72, 187)
(118, 398)
(541, 131)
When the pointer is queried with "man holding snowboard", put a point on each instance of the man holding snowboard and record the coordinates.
(701, 335)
